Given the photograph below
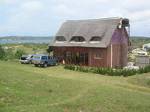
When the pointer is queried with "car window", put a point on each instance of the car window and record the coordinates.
(36, 57)
(44, 57)
(49, 57)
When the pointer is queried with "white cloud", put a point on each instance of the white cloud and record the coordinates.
(48, 14)
(26, 12)
(34, 6)
(140, 15)
(8, 2)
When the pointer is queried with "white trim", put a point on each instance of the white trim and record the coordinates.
(111, 56)
(77, 42)
(59, 41)
(93, 42)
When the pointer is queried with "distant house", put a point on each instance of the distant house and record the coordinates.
(142, 61)
(97, 42)
(139, 51)
(146, 47)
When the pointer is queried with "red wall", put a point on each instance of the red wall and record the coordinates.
(98, 62)
(119, 43)
(92, 61)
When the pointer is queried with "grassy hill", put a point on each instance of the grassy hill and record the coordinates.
(25, 37)
(28, 48)
(24, 88)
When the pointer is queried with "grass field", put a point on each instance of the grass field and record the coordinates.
(24, 88)
(28, 48)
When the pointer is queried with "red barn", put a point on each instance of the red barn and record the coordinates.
(98, 42)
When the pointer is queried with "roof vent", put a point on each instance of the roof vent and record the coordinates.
(125, 23)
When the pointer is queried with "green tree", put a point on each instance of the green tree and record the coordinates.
(49, 50)
(2, 53)
(9, 54)
(19, 53)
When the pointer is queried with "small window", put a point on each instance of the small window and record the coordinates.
(68, 54)
(36, 57)
(95, 39)
(77, 39)
(97, 56)
(44, 57)
(49, 57)
(60, 38)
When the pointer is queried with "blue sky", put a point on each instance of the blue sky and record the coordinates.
(44, 17)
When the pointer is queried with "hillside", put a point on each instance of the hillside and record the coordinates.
(25, 39)
(24, 88)
(139, 41)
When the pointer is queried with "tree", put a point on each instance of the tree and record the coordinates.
(2, 53)
(19, 53)
(49, 50)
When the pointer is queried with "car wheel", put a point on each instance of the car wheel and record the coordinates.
(36, 65)
(45, 65)
(30, 62)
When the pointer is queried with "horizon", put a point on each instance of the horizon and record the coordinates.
(44, 17)
(35, 36)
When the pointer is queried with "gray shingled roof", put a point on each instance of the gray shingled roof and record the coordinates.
(87, 29)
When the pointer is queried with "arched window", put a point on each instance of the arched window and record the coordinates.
(60, 38)
(95, 39)
(77, 39)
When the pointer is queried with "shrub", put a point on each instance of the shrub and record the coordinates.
(108, 71)
(19, 53)
(9, 54)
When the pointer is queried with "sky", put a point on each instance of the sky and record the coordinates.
(44, 17)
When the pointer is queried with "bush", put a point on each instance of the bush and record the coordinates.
(108, 71)
(9, 54)
(19, 53)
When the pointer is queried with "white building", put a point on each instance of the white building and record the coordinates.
(146, 47)
(139, 51)
(142, 61)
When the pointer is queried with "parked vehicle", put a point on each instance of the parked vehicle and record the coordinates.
(26, 59)
(44, 60)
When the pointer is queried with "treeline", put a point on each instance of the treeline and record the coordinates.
(9, 54)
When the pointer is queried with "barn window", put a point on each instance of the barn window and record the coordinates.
(68, 54)
(68, 57)
(60, 39)
(95, 39)
(77, 39)
(97, 56)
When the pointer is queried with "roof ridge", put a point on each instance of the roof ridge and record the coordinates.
(110, 18)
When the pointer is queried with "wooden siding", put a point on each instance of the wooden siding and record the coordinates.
(92, 52)
(98, 61)
(119, 56)
(118, 46)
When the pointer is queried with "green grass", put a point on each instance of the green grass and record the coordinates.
(142, 80)
(24, 88)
